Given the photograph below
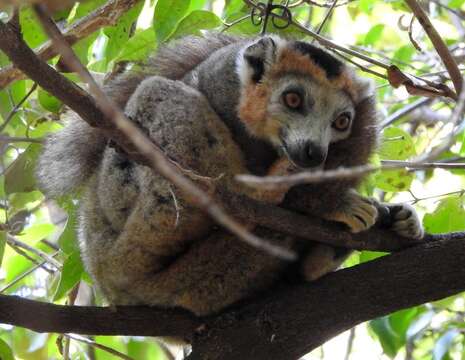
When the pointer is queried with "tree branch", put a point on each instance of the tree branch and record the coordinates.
(106, 15)
(296, 320)
(285, 324)
(439, 44)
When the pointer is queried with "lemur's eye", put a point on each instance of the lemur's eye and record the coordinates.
(342, 122)
(292, 100)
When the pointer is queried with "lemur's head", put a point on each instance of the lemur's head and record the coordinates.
(298, 97)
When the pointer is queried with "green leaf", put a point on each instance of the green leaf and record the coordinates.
(420, 324)
(20, 175)
(5, 351)
(233, 6)
(374, 34)
(118, 35)
(30, 28)
(448, 216)
(196, 21)
(2, 248)
(456, 4)
(444, 343)
(404, 53)
(49, 102)
(68, 240)
(366, 6)
(394, 180)
(70, 275)
(36, 233)
(366, 255)
(396, 145)
(168, 13)
(390, 341)
(196, 5)
(139, 46)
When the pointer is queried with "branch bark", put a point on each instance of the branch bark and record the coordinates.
(106, 15)
(285, 324)
(439, 44)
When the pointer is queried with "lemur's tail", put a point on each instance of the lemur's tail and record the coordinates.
(74, 153)
(69, 157)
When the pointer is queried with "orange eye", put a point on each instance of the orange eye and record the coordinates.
(292, 100)
(342, 122)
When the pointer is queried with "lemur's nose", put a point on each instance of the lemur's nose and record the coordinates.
(308, 155)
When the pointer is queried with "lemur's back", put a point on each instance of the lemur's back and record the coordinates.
(72, 155)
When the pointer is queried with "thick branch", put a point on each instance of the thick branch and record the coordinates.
(284, 324)
(292, 322)
(93, 320)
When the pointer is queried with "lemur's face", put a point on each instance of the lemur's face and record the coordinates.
(298, 97)
(310, 117)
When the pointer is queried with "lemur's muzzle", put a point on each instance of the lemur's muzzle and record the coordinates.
(307, 154)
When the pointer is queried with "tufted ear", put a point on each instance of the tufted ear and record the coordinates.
(256, 59)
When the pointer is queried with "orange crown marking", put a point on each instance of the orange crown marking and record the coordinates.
(290, 60)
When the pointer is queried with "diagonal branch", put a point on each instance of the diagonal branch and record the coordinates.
(106, 15)
(439, 44)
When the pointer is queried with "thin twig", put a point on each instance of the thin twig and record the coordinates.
(312, 177)
(439, 44)
(106, 15)
(15, 139)
(327, 16)
(46, 257)
(327, 4)
(450, 193)
(30, 258)
(405, 110)
(24, 274)
(149, 150)
(98, 346)
(430, 165)
(350, 343)
(456, 120)
(17, 106)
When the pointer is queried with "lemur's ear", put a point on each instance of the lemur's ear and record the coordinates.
(363, 87)
(256, 59)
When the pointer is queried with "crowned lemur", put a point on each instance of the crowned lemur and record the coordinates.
(220, 106)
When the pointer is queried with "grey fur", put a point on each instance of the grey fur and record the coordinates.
(140, 247)
(69, 157)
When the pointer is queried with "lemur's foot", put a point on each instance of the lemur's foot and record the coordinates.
(357, 212)
(404, 221)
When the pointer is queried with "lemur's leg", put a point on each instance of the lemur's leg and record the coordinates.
(357, 212)
(322, 259)
(400, 218)
(216, 272)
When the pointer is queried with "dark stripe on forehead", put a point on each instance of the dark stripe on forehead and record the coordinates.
(332, 66)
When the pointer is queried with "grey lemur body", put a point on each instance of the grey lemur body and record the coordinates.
(219, 106)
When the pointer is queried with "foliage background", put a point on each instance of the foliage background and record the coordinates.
(38, 249)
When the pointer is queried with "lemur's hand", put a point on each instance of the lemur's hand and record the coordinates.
(357, 212)
(403, 220)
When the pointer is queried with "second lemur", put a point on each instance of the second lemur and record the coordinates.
(219, 106)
